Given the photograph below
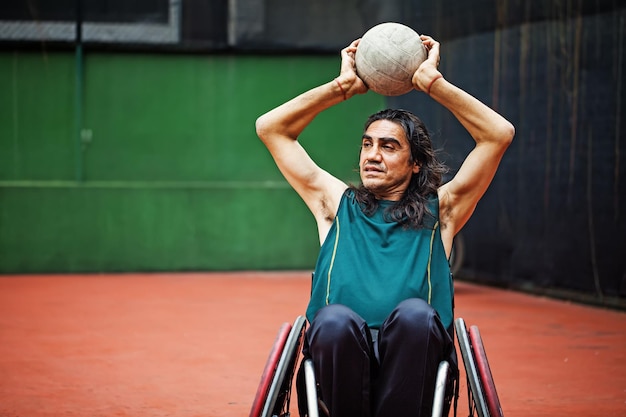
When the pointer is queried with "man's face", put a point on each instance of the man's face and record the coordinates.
(385, 161)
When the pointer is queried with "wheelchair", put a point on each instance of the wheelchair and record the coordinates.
(273, 396)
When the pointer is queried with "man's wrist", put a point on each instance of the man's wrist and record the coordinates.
(341, 89)
(430, 84)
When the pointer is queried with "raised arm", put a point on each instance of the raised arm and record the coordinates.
(491, 132)
(280, 128)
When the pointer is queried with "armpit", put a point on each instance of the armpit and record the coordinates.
(445, 208)
(326, 212)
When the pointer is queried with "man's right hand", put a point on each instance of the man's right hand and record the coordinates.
(348, 78)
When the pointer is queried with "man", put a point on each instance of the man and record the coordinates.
(381, 305)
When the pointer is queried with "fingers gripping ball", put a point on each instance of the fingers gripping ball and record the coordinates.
(387, 57)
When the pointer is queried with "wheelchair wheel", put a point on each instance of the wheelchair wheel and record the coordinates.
(440, 389)
(269, 370)
(484, 371)
(475, 389)
(311, 389)
(274, 391)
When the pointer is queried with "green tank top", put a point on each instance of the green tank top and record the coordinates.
(370, 264)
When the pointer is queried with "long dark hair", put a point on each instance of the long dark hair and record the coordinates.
(411, 209)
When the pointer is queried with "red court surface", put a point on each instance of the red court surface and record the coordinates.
(195, 345)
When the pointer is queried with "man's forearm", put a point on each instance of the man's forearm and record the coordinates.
(482, 122)
(292, 117)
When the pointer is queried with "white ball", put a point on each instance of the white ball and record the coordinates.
(387, 57)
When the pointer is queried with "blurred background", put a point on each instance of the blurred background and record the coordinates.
(127, 137)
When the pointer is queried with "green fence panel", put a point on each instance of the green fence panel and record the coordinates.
(172, 176)
(37, 116)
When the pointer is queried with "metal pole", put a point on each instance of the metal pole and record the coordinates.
(78, 100)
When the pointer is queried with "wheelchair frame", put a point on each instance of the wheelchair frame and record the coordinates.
(273, 396)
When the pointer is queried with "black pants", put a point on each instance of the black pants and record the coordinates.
(390, 375)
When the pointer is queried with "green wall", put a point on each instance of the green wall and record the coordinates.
(151, 163)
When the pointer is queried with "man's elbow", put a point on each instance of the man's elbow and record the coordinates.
(262, 127)
(506, 132)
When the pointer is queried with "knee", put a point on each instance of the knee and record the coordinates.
(415, 326)
(415, 315)
(335, 324)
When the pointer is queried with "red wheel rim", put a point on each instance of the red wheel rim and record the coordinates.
(270, 370)
(489, 387)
